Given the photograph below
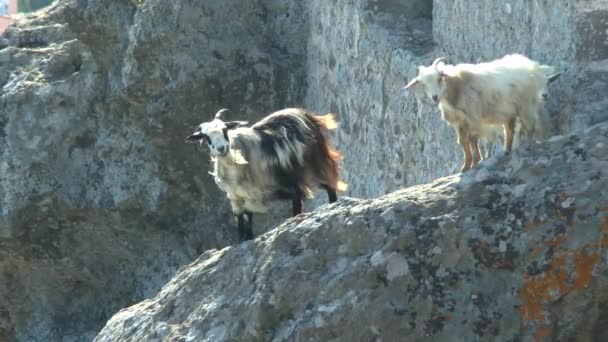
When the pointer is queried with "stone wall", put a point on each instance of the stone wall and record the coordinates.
(362, 52)
(360, 56)
(101, 199)
(571, 35)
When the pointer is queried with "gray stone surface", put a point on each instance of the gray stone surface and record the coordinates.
(100, 198)
(362, 52)
(570, 35)
(360, 56)
(513, 251)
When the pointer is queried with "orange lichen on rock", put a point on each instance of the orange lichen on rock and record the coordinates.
(556, 282)
(584, 269)
(543, 288)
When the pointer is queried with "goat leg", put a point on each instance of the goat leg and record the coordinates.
(509, 130)
(475, 151)
(296, 203)
(489, 149)
(245, 226)
(331, 193)
(462, 134)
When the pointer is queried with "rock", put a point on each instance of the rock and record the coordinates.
(464, 256)
(101, 199)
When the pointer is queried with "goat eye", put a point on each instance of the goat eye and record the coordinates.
(225, 131)
(207, 140)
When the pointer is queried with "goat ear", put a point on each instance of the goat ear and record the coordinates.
(235, 124)
(412, 83)
(196, 136)
(547, 69)
(554, 77)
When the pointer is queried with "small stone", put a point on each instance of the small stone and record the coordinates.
(377, 258)
(397, 266)
(502, 246)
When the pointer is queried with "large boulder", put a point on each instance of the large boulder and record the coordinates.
(514, 250)
(101, 199)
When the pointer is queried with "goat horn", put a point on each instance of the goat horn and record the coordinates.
(440, 59)
(554, 77)
(223, 114)
(437, 61)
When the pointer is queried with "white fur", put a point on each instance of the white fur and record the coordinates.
(215, 131)
(245, 172)
(490, 94)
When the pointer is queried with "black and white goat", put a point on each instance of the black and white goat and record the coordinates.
(281, 157)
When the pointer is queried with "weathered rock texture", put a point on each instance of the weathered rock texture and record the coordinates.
(513, 251)
(100, 198)
(361, 53)
(571, 35)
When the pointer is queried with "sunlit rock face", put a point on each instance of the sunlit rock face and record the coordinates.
(514, 250)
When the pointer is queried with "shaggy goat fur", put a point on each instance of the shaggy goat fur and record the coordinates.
(505, 92)
(282, 157)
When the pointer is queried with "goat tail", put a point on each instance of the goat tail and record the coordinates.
(328, 121)
(334, 158)
(341, 186)
(328, 156)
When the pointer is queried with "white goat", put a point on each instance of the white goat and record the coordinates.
(473, 98)
(281, 157)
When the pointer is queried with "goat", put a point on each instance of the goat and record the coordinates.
(281, 157)
(490, 133)
(471, 97)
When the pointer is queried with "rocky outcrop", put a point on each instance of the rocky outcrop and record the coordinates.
(101, 200)
(513, 251)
